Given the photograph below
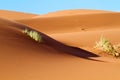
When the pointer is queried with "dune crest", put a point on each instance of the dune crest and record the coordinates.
(72, 12)
(15, 15)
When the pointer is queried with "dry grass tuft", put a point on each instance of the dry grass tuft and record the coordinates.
(106, 46)
(33, 34)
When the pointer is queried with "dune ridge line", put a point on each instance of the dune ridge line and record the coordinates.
(50, 41)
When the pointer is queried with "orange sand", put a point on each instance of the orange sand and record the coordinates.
(21, 58)
(15, 15)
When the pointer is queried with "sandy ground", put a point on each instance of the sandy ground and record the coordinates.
(15, 15)
(21, 58)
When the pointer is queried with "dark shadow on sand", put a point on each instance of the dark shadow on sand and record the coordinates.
(52, 42)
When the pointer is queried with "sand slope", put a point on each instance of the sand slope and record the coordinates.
(22, 58)
(73, 23)
(15, 15)
(68, 28)
(72, 12)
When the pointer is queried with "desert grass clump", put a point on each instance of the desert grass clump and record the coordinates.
(33, 34)
(106, 46)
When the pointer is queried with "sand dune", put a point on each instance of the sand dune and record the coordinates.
(22, 58)
(79, 22)
(72, 12)
(15, 15)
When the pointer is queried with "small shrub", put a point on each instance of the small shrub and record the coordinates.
(33, 34)
(106, 46)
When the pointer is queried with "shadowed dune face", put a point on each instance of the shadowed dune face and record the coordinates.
(15, 42)
(22, 58)
(47, 40)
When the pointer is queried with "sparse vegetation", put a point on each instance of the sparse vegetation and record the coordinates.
(106, 46)
(33, 34)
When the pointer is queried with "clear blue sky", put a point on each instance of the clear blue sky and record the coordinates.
(45, 6)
